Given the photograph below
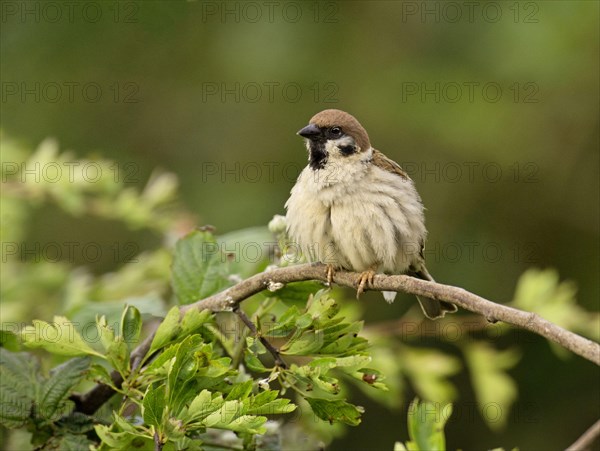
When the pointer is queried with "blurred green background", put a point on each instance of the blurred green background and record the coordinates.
(492, 108)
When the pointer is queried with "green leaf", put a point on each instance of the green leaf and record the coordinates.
(124, 440)
(429, 371)
(323, 309)
(275, 407)
(336, 411)
(308, 343)
(76, 423)
(67, 442)
(495, 390)
(107, 334)
(285, 324)
(253, 362)
(9, 340)
(100, 374)
(131, 325)
(248, 424)
(117, 352)
(153, 406)
(426, 423)
(167, 331)
(542, 292)
(199, 267)
(240, 391)
(194, 320)
(186, 363)
(118, 356)
(59, 337)
(17, 387)
(55, 391)
(202, 405)
(222, 417)
(296, 292)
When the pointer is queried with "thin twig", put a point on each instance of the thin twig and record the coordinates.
(158, 444)
(229, 299)
(587, 439)
(248, 322)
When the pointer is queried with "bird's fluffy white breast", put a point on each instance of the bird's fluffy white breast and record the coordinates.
(355, 215)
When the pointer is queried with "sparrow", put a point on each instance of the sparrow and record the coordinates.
(353, 208)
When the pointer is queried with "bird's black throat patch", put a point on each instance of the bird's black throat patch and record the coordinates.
(317, 155)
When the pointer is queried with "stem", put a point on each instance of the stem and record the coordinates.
(248, 322)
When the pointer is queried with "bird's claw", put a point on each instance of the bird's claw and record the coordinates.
(365, 281)
(330, 271)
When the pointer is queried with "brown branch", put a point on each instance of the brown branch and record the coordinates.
(587, 439)
(250, 325)
(229, 299)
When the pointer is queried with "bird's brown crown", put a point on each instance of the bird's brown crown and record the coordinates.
(347, 122)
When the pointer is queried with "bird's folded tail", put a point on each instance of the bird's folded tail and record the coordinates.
(389, 296)
(432, 308)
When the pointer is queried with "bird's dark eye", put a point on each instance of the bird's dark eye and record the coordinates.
(334, 132)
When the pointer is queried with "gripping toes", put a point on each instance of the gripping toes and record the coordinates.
(365, 281)
(330, 272)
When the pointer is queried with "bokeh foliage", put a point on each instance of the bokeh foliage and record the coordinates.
(542, 212)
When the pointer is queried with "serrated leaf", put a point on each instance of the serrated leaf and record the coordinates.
(304, 321)
(76, 423)
(185, 365)
(153, 406)
(203, 405)
(167, 331)
(308, 343)
(253, 363)
(322, 309)
(164, 360)
(117, 351)
(17, 387)
(59, 337)
(222, 417)
(55, 391)
(118, 355)
(67, 442)
(200, 267)
(194, 320)
(248, 424)
(285, 324)
(336, 411)
(494, 389)
(240, 391)
(275, 407)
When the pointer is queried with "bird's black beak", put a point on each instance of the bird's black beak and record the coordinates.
(311, 131)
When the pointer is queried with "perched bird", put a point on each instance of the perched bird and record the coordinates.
(354, 208)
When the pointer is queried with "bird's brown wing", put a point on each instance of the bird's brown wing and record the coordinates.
(383, 162)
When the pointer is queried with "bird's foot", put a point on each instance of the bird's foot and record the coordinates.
(330, 271)
(365, 281)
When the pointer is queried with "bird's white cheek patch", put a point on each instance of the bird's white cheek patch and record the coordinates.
(332, 146)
